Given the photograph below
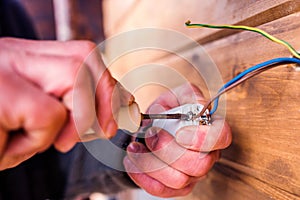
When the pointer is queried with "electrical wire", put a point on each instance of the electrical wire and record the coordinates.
(246, 77)
(248, 28)
(243, 76)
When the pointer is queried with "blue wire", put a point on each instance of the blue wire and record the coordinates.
(251, 69)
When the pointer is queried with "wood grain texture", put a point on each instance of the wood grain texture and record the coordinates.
(263, 160)
(116, 13)
(264, 115)
(170, 15)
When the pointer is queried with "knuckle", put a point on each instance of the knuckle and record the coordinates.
(201, 166)
(54, 118)
(76, 62)
(160, 190)
(77, 70)
(179, 181)
(86, 47)
(57, 113)
(156, 189)
(41, 143)
(43, 129)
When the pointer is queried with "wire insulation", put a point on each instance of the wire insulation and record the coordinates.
(247, 28)
(245, 75)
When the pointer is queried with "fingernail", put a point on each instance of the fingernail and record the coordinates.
(133, 147)
(111, 129)
(131, 100)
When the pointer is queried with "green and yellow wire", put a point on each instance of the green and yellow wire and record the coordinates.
(248, 28)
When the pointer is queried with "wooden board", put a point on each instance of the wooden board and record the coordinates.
(264, 115)
(249, 13)
(263, 161)
(169, 14)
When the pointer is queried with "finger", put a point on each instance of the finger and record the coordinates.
(205, 138)
(71, 56)
(68, 137)
(151, 185)
(63, 48)
(3, 141)
(27, 112)
(192, 163)
(155, 168)
(126, 97)
(40, 127)
(110, 96)
(83, 97)
(85, 51)
(107, 103)
(53, 74)
(81, 103)
(65, 78)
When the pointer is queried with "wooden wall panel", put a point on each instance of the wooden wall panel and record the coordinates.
(115, 12)
(172, 14)
(263, 161)
(263, 114)
(141, 14)
(265, 122)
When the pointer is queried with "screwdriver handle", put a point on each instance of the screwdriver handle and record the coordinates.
(129, 117)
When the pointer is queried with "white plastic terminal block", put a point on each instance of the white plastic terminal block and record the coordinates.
(172, 125)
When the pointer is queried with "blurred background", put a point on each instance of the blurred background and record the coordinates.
(263, 161)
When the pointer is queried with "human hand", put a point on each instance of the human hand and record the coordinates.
(48, 94)
(169, 166)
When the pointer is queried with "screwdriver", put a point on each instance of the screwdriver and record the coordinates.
(130, 117)
(164, 116)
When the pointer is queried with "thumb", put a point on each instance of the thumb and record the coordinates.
(126, 97)
(110, 97)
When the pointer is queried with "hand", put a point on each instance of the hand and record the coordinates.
(48, 94)
(168, 167)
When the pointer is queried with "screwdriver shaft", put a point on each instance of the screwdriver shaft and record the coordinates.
(164, 116)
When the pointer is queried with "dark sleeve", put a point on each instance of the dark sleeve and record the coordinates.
(14, 21)
(40, 177)
(97, 166)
